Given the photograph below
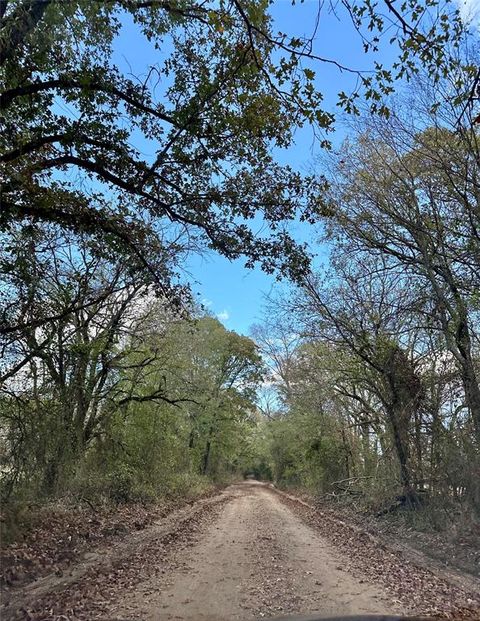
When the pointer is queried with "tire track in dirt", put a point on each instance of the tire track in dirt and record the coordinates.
(420, 589)
(257, 560)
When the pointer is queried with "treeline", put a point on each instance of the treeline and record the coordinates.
(377, 356)
(116, 167)
(119, 395)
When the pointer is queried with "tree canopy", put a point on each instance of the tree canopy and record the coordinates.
(180, 155)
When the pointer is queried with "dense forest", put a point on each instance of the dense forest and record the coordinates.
(362, 383)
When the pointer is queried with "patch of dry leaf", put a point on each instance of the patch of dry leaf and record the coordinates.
(93, 596)
(417, 588)
(60, 536)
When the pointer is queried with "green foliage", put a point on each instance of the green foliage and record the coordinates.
(206, 106)
(174, 411)
(305, 450)
(224, 89)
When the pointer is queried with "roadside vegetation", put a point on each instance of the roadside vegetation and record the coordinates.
(126, 398)
(116, 387)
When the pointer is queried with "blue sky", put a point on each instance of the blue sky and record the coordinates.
(227, 289)
(235, 294)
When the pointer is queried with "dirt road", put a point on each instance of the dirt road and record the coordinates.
(257, 559)
(246, 553)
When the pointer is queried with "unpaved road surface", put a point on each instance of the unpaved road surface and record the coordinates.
(246, 553)
(257, 559)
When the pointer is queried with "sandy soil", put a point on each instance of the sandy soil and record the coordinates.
(246, 553)
(256, 560)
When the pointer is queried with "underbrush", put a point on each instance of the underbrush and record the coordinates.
(441, 527)
(111, 492)
(39, 537)
(125, 485)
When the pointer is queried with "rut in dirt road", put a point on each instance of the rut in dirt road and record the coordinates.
(257, 559)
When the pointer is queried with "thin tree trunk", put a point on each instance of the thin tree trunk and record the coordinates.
(206, 454)
(418, 447)
(472, 395)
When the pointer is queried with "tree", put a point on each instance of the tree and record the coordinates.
(71, 159)
(220, 370)
(69, 374)
(366, 312)
(413, 197)
(223, 91)
(374, 403)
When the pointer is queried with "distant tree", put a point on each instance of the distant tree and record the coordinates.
(221, 371)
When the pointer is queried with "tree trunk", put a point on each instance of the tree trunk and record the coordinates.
(460, 344)
(400, 439)
(368, 457)
(418, 447)
(347, 452)
(472, 394)
(206, 454)
(402, 452)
